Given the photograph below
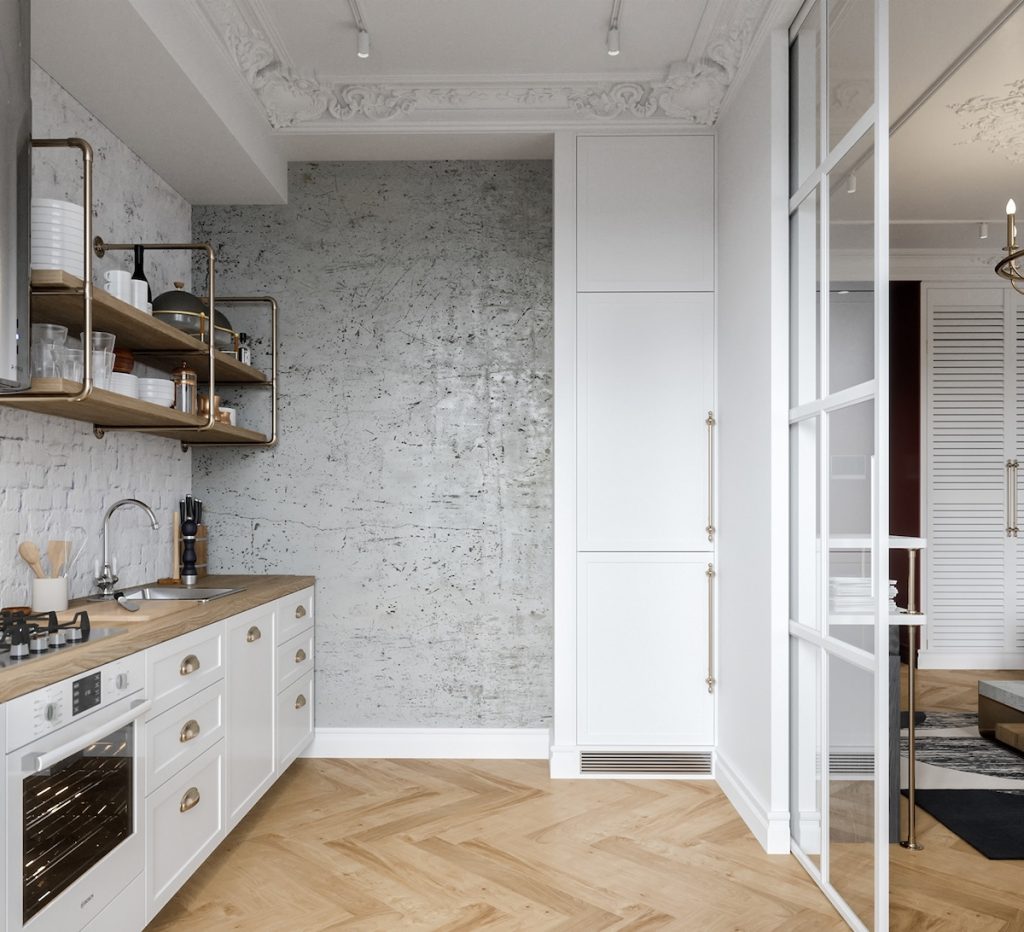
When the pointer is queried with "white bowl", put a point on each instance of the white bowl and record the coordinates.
(76, 271)
(55, 204)
(53, 249)
(57, 222)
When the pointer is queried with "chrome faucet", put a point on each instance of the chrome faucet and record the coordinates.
(107, 580)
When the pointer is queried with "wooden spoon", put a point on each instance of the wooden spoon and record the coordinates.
(30, 554)
(57, 553)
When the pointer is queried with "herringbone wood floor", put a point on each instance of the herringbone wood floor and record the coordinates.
(465, 845)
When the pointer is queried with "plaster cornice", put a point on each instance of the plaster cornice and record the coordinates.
(689, 93)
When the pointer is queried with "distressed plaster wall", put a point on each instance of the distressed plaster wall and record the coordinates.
(413, 475)
(54, 475)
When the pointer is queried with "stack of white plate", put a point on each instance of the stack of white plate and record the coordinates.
(124, 383)
(57, 235)
(157, 391)
(851, 595)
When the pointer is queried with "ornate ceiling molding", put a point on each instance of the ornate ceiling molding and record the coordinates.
(690, 92)
(997, 121)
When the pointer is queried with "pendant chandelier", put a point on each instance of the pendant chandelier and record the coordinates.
(1008, 268)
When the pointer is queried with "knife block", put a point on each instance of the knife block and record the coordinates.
(202, 549)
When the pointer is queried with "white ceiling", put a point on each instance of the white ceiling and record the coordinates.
(217, 95)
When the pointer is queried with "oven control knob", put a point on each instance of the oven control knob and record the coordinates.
(51, 711)
(122, 681)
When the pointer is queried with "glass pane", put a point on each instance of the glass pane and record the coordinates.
(851, 239)
(851, 590)
(805, 747)
(805, 99)
(851, 785)
(74, 814)
(851, 64)
(805, 300)
(804, 525)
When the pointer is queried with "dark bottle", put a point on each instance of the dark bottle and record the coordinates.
(140, 275)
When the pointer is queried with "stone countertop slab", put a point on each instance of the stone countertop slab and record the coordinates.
(1008, 692)
(139, 635)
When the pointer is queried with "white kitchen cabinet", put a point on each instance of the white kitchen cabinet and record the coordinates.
(645, 213)
(295, 658)
(180, 668)
(184, 823)
(294, 720)
(250, 690)
(182, 733)
(643, 650)
(646, 384)
(295, 614)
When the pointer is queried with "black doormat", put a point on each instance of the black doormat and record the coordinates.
(990, 821)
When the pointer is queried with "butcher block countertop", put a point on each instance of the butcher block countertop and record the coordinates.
(139, 634)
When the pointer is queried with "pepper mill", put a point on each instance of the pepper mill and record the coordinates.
(189, 527)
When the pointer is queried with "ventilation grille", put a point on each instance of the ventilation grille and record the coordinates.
(645, 762)
(852, 762)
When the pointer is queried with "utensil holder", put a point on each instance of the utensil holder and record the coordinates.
(50, 594)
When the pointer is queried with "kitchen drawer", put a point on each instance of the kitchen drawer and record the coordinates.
(294, 614)
(295, 658)
(182, 667)
(294, 720)
(184, 823)
(181, 734)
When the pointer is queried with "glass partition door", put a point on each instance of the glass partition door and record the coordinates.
(839, 473)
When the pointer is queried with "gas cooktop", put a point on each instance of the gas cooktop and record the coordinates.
(25, 637)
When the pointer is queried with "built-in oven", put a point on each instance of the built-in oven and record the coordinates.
(74, 798)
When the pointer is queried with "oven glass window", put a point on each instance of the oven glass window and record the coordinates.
(75, 813)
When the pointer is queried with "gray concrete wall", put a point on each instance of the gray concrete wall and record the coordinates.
(413, 476)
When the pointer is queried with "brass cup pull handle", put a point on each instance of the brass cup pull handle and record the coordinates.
(189, 731)
(300, 655)
(189, 665)
(190, 800)
(253, 634)
(300, 611)
(300, 701)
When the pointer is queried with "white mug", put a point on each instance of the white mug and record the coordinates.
(140, 293)
(119, 284)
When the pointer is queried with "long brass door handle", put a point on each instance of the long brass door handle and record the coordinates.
(710, 421)
(189, 665)
(190, 800)
(710, 573)
(1014, 465)
(189, 731)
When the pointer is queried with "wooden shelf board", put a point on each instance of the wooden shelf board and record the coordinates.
(109, 409)
(56, 299)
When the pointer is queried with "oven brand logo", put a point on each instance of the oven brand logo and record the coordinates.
(86, 901)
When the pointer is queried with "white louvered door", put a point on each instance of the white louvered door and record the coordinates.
(1015, 623)
(972, 426)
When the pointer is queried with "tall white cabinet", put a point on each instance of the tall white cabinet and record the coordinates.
(974, 441)
(634, 455)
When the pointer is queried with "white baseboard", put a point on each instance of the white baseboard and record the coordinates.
(427, 743)
(971, 660)
(771, 829)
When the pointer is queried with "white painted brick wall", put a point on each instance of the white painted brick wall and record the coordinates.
(54, 474)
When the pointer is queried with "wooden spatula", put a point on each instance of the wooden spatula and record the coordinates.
(30, 554)
(57, 553)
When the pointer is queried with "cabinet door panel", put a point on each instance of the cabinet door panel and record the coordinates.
(645, 213)
(643, 650)
(646, 384)
(250, 709)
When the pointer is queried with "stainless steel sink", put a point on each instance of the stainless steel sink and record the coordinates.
(178, 593)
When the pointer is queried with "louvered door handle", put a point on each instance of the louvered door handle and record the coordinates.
(1011, 498)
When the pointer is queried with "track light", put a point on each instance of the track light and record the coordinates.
(363, 48)
(983, 230)
(851, 183)
(612, 42)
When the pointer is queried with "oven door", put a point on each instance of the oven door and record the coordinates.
(74, 819)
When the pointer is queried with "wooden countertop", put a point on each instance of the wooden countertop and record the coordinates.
(138, 635)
